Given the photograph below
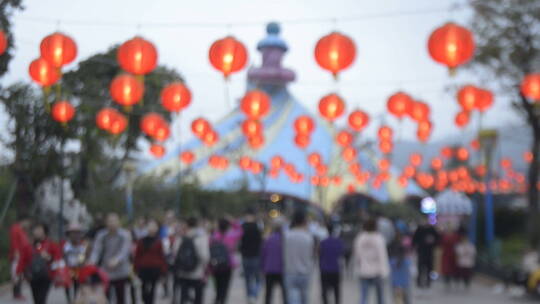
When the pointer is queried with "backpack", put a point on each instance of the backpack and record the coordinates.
(187, 258)
(38, 268)
(219, 257)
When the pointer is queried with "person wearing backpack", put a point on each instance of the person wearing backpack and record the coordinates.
(38, 262)
(250, 249)
(192, 254)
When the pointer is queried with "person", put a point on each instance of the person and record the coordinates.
(38, 262)
(272, 262)
(425, 239)
(330, 252)
(448, 243)
(18, 240)
(299, 254)
(74, 251)
(400, 265)
(92, 286)
(466, 257)
(370, 260)
(192, 254)
(250, 249)
(223, 261)
(111, 252)
(149, 261)
(140, 228)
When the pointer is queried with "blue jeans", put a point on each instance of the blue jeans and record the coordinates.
(297, 286)
(252, 276)
(366, 284)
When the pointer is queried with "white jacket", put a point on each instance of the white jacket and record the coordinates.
(202, 245)
(370, 258)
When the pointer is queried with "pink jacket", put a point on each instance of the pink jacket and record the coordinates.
(230, 238)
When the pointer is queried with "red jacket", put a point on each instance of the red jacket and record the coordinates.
(18, 239)
(48, 246)
(149, 254)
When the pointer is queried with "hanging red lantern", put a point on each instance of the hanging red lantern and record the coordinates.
(475, 144)
(423, 135)
(255, 104)
(151, 122)
(409, 171)
(3, 42)
(506, 163)
(385, 133)
(302, 141)
(451, 45)
(210, 138)
(419, 111)
(105, 117)
(462, 154)
(256, 167)
(344, 138)
(162, 132)
(228, 55)
(304, 125)
(137, 56)
(403, 181)
(214, 161)
(126, 90)
(331, 107)
(157, 150)
(314, 159)
(384, 165)
(335, 52)
(386, 146)
(223, 163)
(43, 73)
(256, 141)
(277, 162)
(530, 86)
(62, 111)
(437, 163)
(118, 125)
(468, 97)
(462, 119)
(175, 97)
(252, 127)
(321, 169)
(200, 126)
(416, 159)
(187, 157)
(58, 49)
(399, 104)
(484, 101)
(528, 157)
(425, 126)
(447, 152)
(244, 162)
(358, 120)
(349, 154)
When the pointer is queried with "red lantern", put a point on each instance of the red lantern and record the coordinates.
(257, 141)
(210, 138)
(530, 86)
(137, 56)
(43, 73)
(62, 111)
(214, 161)
(331, 107)
(252, 128)
(399, 104)
(386, 146)
(344, 138)
(447, 152)
(335, 52)
(302, 141)
(314, 159)
(187, 157)
(468, 97)
(358, 120)
(451, 45)
(256, 167)
(528, 157)
(175, 97)
(151, 122)
(462, 154)
(277, 162)
(244, 162)
(419, 111)
(475, 145)
(384, 165)
(126, 90)
(385, 133)
(304, 125)
(349, 154)
(228, 55)
(436, 164)
(409, 171)
(423, 135)
(162, 132)
(200, 126)
(119, 124)
(3, 42)
(415, 159)
(157, 150)
(255, 104)
(425, 126)
(485, 100)
(105, 117)
(58, 49)
(462, 119)
(506, 163)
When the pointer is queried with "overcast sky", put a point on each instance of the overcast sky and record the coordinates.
(390, 36)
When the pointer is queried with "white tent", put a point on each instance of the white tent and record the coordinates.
(453, 203)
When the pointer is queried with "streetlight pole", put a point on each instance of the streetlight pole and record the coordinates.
(61, 209)
(488, 141)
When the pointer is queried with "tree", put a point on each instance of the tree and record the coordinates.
(508, 47)
(7, 8)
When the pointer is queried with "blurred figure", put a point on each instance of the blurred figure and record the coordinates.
(192, 256)
(466, 259)
(386, 228)
(370, 260)
(299, 254)
(330, 252)
(250, 249)
(272, 262)
(38, 262)
(400, 265)
(448, 243)
(18, 240)
(92, 289)
(140, 228)
(110, 252)
(74, 251)
(425, 239)
(149, 261)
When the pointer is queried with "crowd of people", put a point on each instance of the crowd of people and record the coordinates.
(110, 264)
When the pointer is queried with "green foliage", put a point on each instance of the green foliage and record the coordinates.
(7, 8)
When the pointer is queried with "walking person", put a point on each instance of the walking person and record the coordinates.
(448, 242)
(330, 253)
(192, 254)
(74, 251)
(149, 261)
(466, 259)
(18, 240)
(299, 256)
(250, 249)
(400, 264)
(425, 239)
(38, 262)
(370, 260)
(222, 257)
(111, 252)
(272, 262)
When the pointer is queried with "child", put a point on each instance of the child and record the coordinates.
(400, 265)
(466, 257)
